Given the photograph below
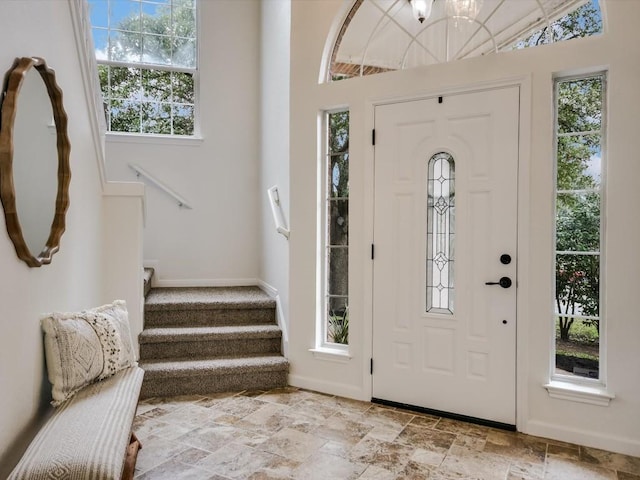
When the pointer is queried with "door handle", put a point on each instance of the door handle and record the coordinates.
(504, 282)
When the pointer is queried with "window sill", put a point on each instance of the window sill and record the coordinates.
(593, 395)
(331, 354)
(141, 138)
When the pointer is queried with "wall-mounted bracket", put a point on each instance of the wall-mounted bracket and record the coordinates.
(276, 210)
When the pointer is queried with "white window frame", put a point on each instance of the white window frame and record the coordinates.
(195, 72)
(571, 387)
(324, 349)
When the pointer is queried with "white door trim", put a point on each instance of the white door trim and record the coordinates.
(523, 234)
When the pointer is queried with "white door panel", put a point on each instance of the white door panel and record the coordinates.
(461, 362)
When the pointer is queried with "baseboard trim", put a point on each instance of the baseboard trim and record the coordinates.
(269, 289)
(284, 326)
(440, 413)
(330, 388)
(625, 446)
(280, 318)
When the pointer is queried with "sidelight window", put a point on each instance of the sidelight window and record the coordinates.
(578, 319)
(336, 230)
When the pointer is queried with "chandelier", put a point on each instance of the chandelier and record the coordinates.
(421, 9)
(467, 9)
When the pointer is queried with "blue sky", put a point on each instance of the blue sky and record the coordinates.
(104, 14)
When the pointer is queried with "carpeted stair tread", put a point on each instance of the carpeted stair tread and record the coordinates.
(222, 366)
(207, 298)
(202, 334)
(202, 377)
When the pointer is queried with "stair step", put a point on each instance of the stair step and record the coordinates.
(198, 298)
(184, 334)
(176, 367)
(187, 377)
(208, 306)
(207, 342)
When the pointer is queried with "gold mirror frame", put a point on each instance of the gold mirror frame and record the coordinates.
(8, 105)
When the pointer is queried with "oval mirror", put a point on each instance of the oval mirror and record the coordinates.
(34, 160)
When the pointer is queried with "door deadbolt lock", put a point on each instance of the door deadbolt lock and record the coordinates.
(504, 282)
(505, 259)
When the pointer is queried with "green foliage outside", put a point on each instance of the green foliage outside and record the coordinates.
(339, 151)
(582, 22)
(581, 349)
(582, 333)
(578, 203)
(339, 327)
(338, 228)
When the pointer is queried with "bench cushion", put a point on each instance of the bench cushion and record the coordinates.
(87, 436)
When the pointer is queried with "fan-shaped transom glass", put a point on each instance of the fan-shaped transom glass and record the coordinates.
(383, 35)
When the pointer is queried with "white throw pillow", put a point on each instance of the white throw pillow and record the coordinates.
(86, 346)
(116, 336)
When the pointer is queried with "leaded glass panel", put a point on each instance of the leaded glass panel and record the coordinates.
(440, 233)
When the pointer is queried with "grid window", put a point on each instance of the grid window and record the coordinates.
(336, 232)
(578, 224)
(147, 59)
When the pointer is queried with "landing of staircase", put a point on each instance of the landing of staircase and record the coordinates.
(207, 297)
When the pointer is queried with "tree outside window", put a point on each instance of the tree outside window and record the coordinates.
(147, 58)
(580, 105)
(337, 230)
(584, 21)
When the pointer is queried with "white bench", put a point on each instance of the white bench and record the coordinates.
(89, 436)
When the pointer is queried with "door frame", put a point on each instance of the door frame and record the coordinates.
(524, 83)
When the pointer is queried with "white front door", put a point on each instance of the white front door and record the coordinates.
(445, 221)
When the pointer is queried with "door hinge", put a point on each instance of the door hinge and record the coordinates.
(372, 251)
(373, 137)
(371, 367)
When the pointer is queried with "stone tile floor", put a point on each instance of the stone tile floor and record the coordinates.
(298, 434)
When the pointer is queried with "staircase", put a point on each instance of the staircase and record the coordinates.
(205, 340)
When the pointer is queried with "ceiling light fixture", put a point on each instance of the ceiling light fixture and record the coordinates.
(467, 9)
(421, 9)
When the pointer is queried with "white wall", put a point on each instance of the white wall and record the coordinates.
(122, 216)
(274, 146)
(616, 427)
(218, 242)
(76, 278)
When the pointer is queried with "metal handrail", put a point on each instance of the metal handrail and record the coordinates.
(141, 172)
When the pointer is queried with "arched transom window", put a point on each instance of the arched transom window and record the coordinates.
(383, 35)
